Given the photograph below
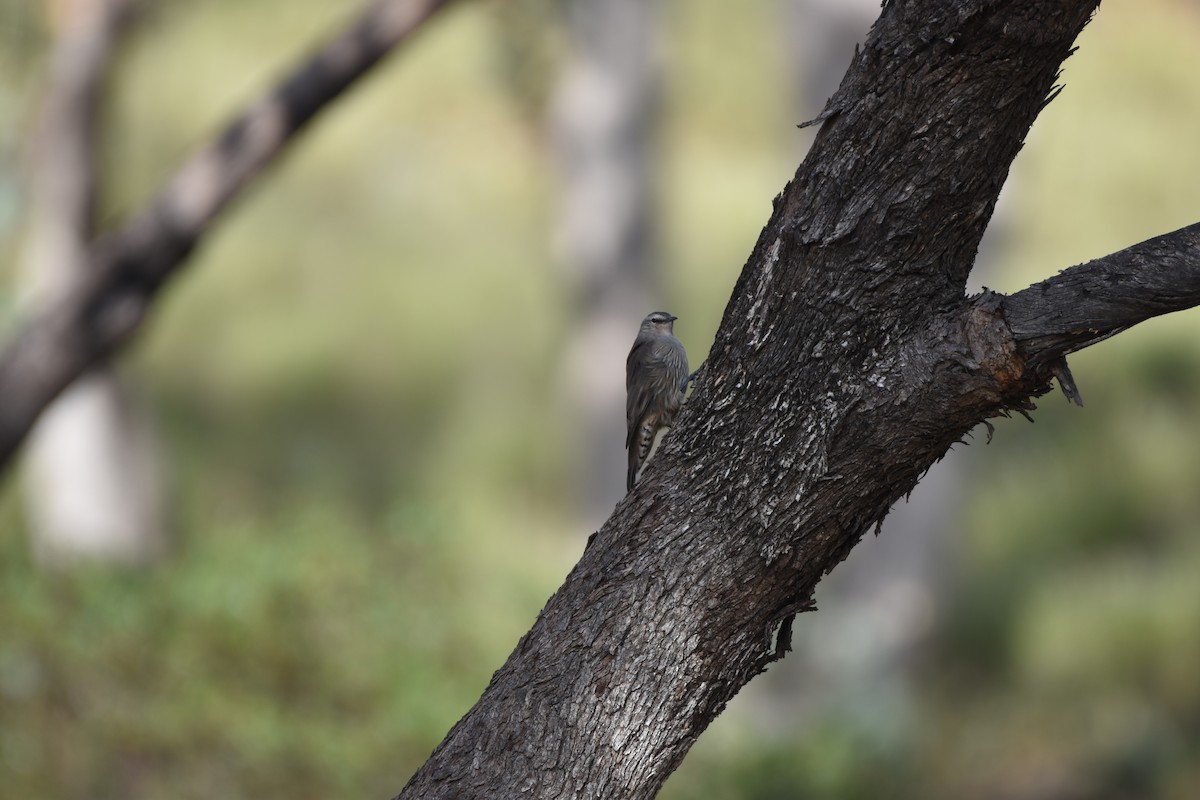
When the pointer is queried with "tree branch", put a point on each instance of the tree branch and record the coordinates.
(1091, 302)
(204, 185)
(126, 269)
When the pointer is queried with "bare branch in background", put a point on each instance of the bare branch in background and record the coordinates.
(127, 267)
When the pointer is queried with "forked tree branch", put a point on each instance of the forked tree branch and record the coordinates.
(125, 269)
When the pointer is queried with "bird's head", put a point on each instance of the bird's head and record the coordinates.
(659, 322)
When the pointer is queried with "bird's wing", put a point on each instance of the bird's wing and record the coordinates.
(674, 359)
(638, 391)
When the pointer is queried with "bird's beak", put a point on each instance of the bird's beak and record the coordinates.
(671, 318)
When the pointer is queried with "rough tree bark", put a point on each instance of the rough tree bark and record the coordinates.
(848, 361)
(893, 585)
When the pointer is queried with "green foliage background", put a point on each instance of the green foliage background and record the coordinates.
(358, 378)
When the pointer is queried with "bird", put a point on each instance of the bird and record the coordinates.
(656, 378)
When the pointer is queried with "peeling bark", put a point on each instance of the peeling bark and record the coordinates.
(848, 361)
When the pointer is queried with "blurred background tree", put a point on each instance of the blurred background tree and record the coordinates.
(93, 473)
(372, 484)
(604, 124)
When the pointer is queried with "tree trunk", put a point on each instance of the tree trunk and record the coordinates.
(848, 361)
(895, 584)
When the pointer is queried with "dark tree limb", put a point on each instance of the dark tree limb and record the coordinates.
(126, 268)
(1093, 301)
(848, 361)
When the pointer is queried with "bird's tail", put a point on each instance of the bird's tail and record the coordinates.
(639, 448)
